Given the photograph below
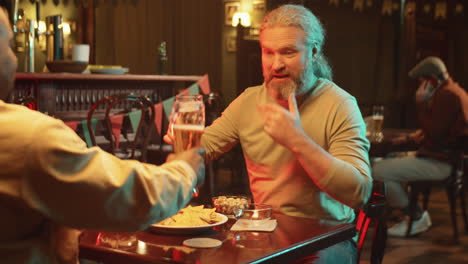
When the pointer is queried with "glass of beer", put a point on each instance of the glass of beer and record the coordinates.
(377, 122)
(187, 121)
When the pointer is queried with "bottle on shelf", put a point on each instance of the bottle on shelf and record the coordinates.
(162, 58)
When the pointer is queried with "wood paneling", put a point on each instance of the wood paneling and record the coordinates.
(128, 33)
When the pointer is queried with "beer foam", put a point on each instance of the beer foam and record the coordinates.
(189, 127)
(189, 107)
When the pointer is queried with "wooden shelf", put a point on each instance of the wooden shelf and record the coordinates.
(91, 76)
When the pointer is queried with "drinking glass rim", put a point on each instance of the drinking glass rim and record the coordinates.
(258, 206)
(182, 96)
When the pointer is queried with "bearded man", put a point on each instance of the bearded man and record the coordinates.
(303, 137)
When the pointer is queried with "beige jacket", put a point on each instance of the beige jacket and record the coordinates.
(49, 178)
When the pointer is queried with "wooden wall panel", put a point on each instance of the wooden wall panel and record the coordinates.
(128, 33)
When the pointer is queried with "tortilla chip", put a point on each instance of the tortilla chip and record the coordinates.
(193, 216)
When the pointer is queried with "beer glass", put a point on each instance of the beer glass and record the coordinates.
(377, 122)
(187, 121)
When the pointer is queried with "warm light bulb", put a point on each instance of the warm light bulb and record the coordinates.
(41, 28)
(66, 28)
(244, 19)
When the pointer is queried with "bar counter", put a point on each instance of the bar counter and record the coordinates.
(92, 76)
(293, 238)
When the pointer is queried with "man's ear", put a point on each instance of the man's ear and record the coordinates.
(434, 80)
(314, 51)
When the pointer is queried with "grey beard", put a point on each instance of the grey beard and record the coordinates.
(300, 85)
(284, 90)
(306, 79)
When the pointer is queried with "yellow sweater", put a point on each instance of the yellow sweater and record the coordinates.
(331, 118)
(49, 175)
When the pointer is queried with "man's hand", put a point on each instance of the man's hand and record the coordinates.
(169, 137)
(282, 125)
(416, 137)
(64, 243)
(424, 92)
(194, 157)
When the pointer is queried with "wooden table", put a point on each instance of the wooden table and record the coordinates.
(384, 147)
(294, 238)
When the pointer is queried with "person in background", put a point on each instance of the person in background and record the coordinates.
(50, 182)
(302, 136)
(442, 111)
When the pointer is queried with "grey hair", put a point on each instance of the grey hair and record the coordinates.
(301, 17)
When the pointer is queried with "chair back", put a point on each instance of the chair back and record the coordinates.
(373, 212)
(131, 145)
(213, 107)
(456, 178)
(28, 101)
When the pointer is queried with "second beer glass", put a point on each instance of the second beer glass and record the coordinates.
(377, 122)
(187, 121)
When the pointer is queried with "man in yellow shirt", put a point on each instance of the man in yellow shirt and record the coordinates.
(50, 179)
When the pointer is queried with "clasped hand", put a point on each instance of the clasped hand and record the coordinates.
(194, 157)
(279, 123)
(424, 92)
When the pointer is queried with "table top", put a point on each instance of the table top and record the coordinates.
(293, 238)
(385, 146)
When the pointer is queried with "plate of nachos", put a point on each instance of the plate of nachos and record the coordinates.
(190, 220)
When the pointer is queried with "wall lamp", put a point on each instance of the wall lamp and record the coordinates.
(243, 17)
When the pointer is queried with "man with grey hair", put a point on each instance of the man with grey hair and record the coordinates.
(442, 108)
(50, 179)
(303, 137)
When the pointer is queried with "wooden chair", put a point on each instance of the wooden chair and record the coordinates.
(373, 212)
(455, 189)
(134, 145)
(28, 101)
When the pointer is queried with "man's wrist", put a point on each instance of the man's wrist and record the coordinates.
(298, 143)
(190, 172)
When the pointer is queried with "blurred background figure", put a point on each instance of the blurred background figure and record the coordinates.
(442, 111)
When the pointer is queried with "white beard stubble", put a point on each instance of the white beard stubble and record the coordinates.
(300, 85)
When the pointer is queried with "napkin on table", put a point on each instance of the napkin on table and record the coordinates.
(244, 225)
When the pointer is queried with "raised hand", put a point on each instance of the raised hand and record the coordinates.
(425, 91)
(169, 137)
(282, 124)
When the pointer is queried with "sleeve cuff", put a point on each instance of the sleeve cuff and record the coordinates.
(188, 171)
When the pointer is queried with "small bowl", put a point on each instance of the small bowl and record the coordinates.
(66, 66)
(254, 214)
(226, 203)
